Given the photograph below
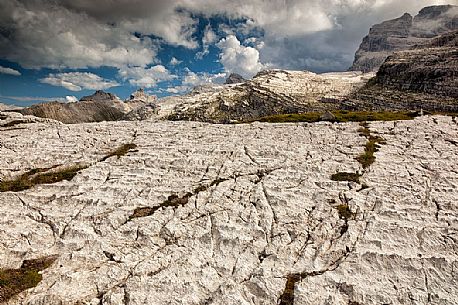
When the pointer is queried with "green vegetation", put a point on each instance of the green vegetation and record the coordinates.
(40, 176)
(372, 145)
(340, 116)
(120, 151)
(14, 281)
(345, 212)
(174, 200)
(344, 176)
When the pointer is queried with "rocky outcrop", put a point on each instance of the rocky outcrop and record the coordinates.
(146, 112)
(100, 106)
(100, 96)
(268, 93)
(234, 214)
(402, 34)
(234, 78)
(140, 96)
(79, 112)
(15, 120)
(425, 77)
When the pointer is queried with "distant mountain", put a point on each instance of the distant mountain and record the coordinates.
(234, 78)
(424, 77)
(100, 106)
(403, 33)
(4, 107)
(78, 112)
(100, 96)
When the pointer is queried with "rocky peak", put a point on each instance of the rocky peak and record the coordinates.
(100, 95)
(234, 78)
(434, 11)
(403, 33)
(396, 27)
(141, 96)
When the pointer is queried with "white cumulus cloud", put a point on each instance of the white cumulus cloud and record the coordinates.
(237, 58)
(145, 77)
(208, 39)
(9, 71)
(294, 34)
(71, 99)
(194, 79)
(174, 61)
(77, 81)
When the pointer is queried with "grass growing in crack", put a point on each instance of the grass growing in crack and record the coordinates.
(120, 151)
(372, 145)
(339, 116)
(14, 281)
(173, 200)
(344, 176)
(345, 212)
(287, 297)
(40, 176)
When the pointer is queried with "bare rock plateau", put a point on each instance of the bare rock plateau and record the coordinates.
(193, 213)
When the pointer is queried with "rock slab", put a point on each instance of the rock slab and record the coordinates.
(254, 204)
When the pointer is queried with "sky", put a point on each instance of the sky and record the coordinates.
(65, 49)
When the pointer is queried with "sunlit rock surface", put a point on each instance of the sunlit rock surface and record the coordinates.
(270, 92)
(260, 206)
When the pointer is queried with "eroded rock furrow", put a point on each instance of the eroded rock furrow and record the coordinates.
(253, 204)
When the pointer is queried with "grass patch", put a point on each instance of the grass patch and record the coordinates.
(14, 281)
(372, 146)
(340, 116)
(173, 200)
(345, 212)
(120, 151)
(344, 176)
(39, 176)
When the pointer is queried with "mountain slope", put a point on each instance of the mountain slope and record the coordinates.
(268, 93)
(425, 77)
(402, 34)
(100, 106)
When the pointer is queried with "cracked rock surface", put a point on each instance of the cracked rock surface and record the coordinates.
(237, 210)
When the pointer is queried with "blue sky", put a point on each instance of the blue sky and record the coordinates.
(178, 60)
(68, 49)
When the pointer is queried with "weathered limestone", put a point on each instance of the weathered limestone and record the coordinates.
(260, 206)
(403, 33)
(268, 93)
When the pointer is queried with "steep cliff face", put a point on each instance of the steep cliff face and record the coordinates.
(428, 70)
(425, 77)
(402, 34)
